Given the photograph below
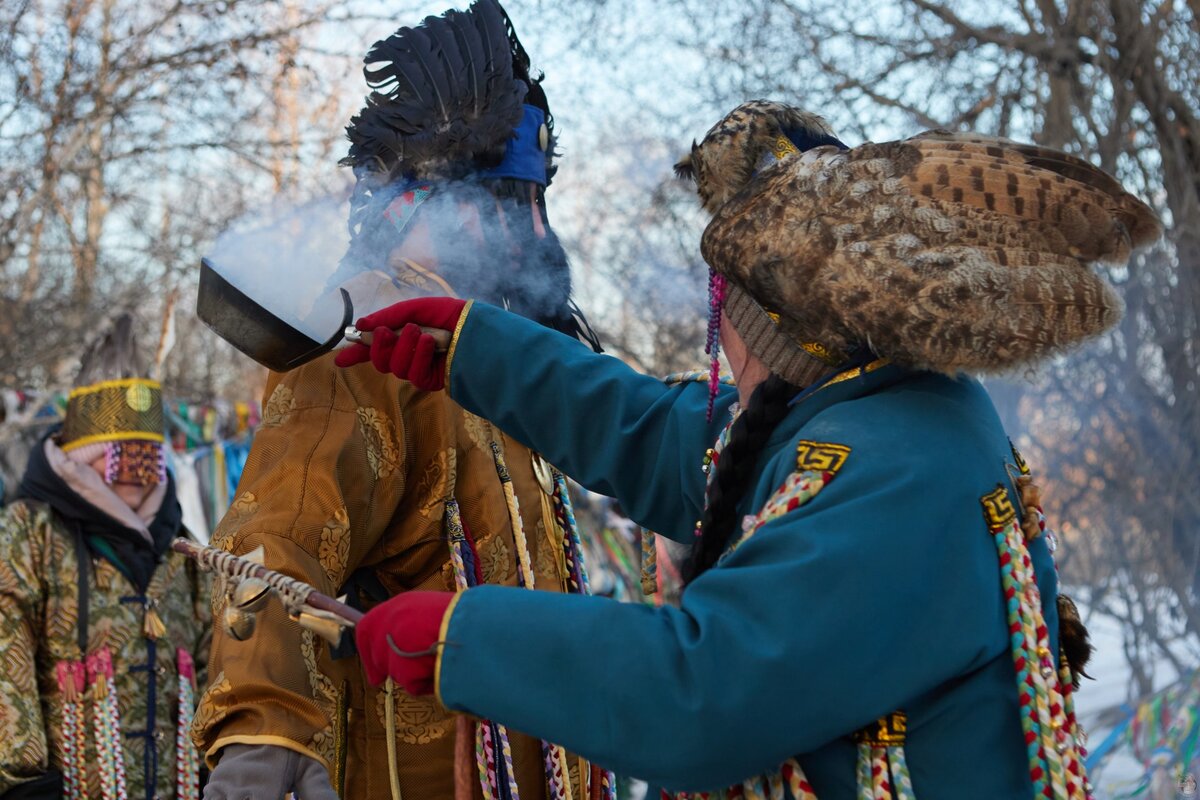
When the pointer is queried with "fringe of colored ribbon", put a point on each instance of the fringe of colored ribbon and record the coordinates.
(496, 781)
(107, 725)
(187, 759)
(71, 683)
(562, 504)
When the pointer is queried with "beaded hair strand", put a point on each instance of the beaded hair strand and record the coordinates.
(712, 344)
(734, 470)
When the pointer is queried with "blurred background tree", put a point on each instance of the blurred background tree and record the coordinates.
(132, 132)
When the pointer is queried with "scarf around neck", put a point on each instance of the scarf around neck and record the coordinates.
(111, 530)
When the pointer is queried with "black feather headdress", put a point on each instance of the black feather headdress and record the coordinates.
(446, 96)
(455, 111)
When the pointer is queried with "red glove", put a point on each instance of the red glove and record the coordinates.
(411, 356)
(413, 622)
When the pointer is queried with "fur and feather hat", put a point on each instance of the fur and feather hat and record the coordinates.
(947, 251)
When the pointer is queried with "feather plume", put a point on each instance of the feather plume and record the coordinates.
(442, 93)
(113, 355)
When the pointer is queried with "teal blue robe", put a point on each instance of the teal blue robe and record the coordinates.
(882, 593)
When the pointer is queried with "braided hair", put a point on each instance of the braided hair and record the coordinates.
(767, 407)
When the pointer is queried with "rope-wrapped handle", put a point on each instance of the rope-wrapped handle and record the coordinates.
(295, 595)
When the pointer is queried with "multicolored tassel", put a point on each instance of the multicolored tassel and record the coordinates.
(566, 512)
(106, 721)
(71, 677)
(187, 759)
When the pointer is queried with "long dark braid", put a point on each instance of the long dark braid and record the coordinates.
(767, 407)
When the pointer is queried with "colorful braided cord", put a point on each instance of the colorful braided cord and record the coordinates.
(863, 764)
(901, 780)
(798, 785)
(187, 759)
(562, 500)
(107, 726)
(1025, 689)
(485, 760)
(524, 563)
(70, 677)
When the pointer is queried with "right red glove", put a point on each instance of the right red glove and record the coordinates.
(398, 639)
(411, 356)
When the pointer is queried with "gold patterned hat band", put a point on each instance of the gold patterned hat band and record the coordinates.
(113, 411)
(798, 363)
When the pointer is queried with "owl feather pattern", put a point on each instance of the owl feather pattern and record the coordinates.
(951, 252)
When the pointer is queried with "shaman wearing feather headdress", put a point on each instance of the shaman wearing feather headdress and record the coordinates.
(360, 484)
(101, 625)
(871, 607)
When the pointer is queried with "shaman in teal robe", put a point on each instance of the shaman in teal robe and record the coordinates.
(877, 589)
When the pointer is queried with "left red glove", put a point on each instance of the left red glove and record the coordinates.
(413, 622)
(412, 355)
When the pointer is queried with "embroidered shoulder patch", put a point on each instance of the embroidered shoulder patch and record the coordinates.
(998, 509)
(889, 731)
(820, 456)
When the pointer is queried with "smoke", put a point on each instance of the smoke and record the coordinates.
(283, 258)
(489, 239)
(485, 240)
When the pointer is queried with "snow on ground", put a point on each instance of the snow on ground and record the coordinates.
(1110, 689)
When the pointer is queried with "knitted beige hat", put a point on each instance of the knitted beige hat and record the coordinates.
(798, 364)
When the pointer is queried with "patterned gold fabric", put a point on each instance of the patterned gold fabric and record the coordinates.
(39, 614)
(113, 411)
(351, 470)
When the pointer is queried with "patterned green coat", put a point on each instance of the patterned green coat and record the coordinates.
(39, 614)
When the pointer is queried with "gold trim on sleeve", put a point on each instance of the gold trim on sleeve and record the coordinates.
(442, 631)
(462, 320)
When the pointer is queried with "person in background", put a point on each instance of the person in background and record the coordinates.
(104, 630)
(359, 484)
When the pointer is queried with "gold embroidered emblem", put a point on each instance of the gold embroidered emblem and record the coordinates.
(545, 564)
(280, 404)
(432, 487)
(334, 550)
(998, 509)
(822, 353)
(324, 744)
(820, 456)
(324, 694)
(784, 147)
(212, 707)
(244, 507)
(419, 720)
(495, 559)
(479, 431)
(886, 731)
(383, 455)
(139, 397)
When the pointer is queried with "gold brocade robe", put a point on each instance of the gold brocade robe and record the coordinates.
(39, 617)
(350, 470)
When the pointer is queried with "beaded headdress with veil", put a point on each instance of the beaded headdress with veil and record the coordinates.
(115, 411)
